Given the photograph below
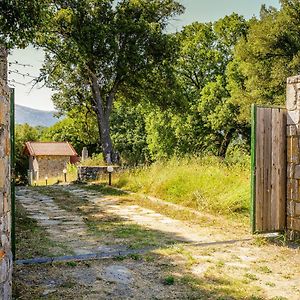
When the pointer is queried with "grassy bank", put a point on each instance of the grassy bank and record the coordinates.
(206, 184)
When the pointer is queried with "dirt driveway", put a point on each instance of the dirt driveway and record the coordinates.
(154, 250)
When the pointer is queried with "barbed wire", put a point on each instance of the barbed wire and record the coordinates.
(19, 64)
(21, 74)
(13, 82)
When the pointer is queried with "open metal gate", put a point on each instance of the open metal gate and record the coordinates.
(268, 174)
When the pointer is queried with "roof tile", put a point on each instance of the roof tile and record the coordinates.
(50, 148)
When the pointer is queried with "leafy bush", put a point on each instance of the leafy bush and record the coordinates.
(95, 160)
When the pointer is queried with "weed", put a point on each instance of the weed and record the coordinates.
(135, 256)
(251, 276)
(220, 264)
(259, 241)
(264, 269)
(271, 284)
(71, 264)
(120, 258)
(169, 280)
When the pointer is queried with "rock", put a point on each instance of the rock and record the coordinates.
(47, 292)
(117, 274)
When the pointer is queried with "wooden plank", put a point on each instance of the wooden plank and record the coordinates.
(282, 176)
(259, 169)
(267, 161)
(275, 170)
(253, 167)
(270, 170)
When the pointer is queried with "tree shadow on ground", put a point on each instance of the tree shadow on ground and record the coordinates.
(165, 272)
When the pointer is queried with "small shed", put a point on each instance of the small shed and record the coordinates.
(49, 158)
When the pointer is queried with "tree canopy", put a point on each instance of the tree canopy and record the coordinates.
(150, 94)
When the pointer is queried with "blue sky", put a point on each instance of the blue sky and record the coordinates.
(196, 10)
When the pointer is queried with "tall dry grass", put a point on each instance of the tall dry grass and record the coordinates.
(207, 184)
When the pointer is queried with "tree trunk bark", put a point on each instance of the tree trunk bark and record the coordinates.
(3, 62)
(105, 139)
(225, 143)
(103, 118)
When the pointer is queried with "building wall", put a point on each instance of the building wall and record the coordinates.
(5, 195)
(293, 156)
(51, 166)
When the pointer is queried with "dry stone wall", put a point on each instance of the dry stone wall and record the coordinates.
(293, 156)
(5, 195)
(86, 173)
(51, 166)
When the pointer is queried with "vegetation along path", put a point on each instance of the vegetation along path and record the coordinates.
(191, 256)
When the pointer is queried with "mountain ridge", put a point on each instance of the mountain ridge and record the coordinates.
(34, 117)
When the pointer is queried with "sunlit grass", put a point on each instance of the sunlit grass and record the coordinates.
(205, 184)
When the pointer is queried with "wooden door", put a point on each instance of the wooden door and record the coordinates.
(268, 161)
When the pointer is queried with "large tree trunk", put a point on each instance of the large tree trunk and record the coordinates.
(225, 143)
(3, 63)
(103, 117)
(105, 139)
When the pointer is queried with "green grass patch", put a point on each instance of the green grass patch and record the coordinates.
(218, 286)
(104, 190)
(206, 184)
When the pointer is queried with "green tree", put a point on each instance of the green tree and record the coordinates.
(79, 128)
(209, 121)
(23, 133)
(265, 58)
(100, 48)
(19, 20)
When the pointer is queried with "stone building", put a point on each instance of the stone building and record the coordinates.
(49, 158)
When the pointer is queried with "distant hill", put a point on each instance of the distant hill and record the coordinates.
(34, 117)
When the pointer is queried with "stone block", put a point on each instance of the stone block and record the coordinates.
(290, 170)
(293, 150)
(293, 223)
(293, 79)
(5, 242)
(7, 145)
(291, 130)
(297, 172)
(6, 202)
(291, 96)
(290, 208)
(4, 111)
(3, 172)
(292, 189)
(293, 117)
(1, 202)
(3, 270)
(297, 209)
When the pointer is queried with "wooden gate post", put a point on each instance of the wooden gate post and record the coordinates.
(293, 156)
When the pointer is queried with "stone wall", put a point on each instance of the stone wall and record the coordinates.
(86, 173)
(5, 199)
(293, 156)
(51, 166)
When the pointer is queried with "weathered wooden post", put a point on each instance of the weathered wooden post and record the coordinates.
(293, 156)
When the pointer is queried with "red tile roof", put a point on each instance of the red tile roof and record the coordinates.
(50, 148)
